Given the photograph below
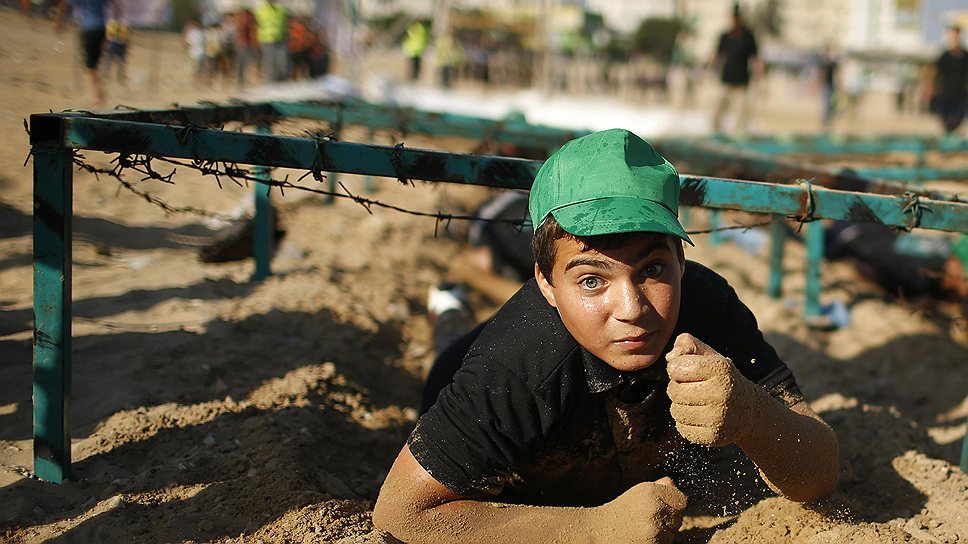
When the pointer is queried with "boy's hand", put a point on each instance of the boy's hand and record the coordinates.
(712, 403)
(649, 512)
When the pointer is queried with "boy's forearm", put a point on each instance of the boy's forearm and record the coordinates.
(797, 453)
(414, 507)
(469, 521)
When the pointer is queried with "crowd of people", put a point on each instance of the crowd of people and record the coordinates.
(266, 44)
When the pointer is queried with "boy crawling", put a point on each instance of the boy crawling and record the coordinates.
(565, 413)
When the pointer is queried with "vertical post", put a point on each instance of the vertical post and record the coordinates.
(715, 221)
(964, 452)
(263, 222)
(53, 209)
(777, 240)
(920, 162)
(368, 179)
(814, 256)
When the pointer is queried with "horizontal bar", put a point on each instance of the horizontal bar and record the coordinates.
(291, 152)
(912, 173)
(735, 162)
(201, 115)
(794, 200)
(408, 120)
(353, 158)
(865, 145)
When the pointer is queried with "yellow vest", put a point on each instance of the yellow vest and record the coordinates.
(417, 39)
(271, 23)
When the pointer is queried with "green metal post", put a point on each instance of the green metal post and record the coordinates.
(332, 180)
(777, 239)
(814, 256)
(52, 311)
(263, 232)
(715, 221)
(368, 180)
(964, 452)
(921, 163)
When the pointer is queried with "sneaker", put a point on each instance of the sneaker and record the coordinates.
(444, 298)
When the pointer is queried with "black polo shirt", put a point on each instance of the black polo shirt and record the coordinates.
(534, 417)
(737, 48)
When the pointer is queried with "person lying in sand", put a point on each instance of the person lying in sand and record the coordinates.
(565, 414)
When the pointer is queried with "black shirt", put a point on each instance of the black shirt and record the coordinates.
(533, 416)
(952, 75)
(737, 48)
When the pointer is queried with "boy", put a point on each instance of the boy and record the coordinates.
(582, 389)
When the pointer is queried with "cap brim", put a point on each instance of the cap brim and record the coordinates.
(616, 215)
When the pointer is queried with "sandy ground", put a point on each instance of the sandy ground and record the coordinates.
(208, 408)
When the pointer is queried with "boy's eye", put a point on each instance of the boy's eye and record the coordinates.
(653, 270)
(590, 282)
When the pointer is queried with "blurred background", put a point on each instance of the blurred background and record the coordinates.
(862, 66)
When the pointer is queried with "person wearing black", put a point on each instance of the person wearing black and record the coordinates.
(827, 75)
(950, 93)
(737, 56)
(594, 383)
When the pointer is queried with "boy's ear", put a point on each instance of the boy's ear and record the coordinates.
(547, 289)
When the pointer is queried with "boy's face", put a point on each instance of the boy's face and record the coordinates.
(621, 303)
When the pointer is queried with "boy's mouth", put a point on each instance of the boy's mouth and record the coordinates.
(634, 341)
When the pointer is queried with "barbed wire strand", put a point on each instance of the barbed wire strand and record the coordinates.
(241, 177)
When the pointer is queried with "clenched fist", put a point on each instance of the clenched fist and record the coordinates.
(712, 403)
(647, 513)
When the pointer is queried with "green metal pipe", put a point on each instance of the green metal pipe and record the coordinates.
(52, 232)
(263, 233)
(774, 287)
(815, 247)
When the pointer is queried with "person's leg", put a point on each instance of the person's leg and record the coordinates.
(92, 43)
(122, 63)
(446, 364)
(282, 51)
(241, 59)
(743, 117)
(721, 106)
(827, 97)
(268, 62)
(453, 334)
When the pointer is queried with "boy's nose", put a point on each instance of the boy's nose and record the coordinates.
(632, 303)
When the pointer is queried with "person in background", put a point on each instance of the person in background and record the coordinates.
(450, 57)
(950, 90)
(116, 34)
(300, 47)
(737, 57)
(213, 52)
(91, 17)
(414, 45)
(246, 50)
(195, 47)
(319, 56)
(271, 23)
(828, 81)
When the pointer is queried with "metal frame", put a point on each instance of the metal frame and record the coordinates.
(175, 133)
(831, 146)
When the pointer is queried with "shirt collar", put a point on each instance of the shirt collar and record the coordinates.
(601, 377)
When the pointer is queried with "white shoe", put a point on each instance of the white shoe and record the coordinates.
(444, 298)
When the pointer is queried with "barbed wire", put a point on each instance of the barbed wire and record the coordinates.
(240, 176)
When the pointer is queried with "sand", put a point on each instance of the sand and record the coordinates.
(208, 408)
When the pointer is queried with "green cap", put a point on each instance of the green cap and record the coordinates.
(608, 182)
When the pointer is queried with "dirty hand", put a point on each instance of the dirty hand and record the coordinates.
(712, 403)
(649, 512)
